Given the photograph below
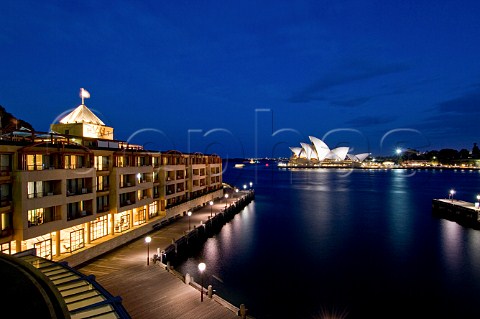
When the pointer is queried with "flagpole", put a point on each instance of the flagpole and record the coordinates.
(84, 94)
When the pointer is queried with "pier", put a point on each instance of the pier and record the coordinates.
(465, 213)
(144, 276)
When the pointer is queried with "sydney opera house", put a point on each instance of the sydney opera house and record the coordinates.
(319, 154)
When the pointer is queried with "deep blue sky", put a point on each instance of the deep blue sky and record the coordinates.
(250, 78)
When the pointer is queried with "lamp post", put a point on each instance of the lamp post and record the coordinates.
(226, 199)
(211, 208)
(189, 214)
(244, 186)
(452, 192)
(148, 239)
(251, 184)
(236, 191)
(201, 267)
(477, 204)
(399, 153)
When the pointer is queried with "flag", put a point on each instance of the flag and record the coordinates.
(84, 94)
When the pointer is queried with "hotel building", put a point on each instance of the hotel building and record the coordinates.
(75, 192)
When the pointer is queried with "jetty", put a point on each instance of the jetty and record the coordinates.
(462, 212)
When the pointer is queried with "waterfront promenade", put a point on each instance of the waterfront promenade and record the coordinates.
(152, 291)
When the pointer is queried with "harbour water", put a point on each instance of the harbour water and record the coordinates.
(355, 243)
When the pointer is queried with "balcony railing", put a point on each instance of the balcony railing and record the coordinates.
(78, 191)
(126, 203)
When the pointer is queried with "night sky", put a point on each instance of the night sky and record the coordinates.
(250, 78)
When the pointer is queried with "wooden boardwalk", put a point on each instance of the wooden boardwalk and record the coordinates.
(150, 291)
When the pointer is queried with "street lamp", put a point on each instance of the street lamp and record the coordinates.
(477, 204)
(226, 199)
(189, 214)
(244, 186)
(452, 192)
(236, 191)
(211, 207)
(399, 153)
(201, 267)
(148, 239)
(251, 184)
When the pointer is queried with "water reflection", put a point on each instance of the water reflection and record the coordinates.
(399, 220)
(451, 236)
(349, 241)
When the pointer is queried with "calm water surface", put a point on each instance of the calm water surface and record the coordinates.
(355, 242)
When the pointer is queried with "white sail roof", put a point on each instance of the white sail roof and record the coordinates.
(309, 151)
(319, 150)
(339, 153)
(296, 150)
(358, 157)
(81, 114)
(320, 147)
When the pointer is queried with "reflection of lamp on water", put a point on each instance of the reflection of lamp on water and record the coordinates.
(189, 214)
(226, 199)
(450, 195)
(148, 239)
(201, 267)
(211, 207)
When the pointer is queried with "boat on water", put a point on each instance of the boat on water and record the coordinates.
(239, 165)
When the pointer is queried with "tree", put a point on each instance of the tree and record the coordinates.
(464, 153)
(447, 154)
(475, 151)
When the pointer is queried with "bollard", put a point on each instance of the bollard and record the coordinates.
(243, 311)
(187, 278)
(168, 266)
(209, 291)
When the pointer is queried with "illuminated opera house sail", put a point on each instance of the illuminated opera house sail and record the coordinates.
(317, 152)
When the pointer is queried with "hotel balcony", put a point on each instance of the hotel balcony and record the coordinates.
(78, 191)
(78, 214)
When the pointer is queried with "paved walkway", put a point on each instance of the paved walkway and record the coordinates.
(150, 291)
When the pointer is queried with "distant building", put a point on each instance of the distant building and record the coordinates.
(318, 153)
(76, 192)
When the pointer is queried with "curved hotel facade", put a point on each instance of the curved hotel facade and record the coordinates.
(75, 192)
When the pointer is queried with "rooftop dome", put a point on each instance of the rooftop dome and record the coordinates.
(81, 114)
